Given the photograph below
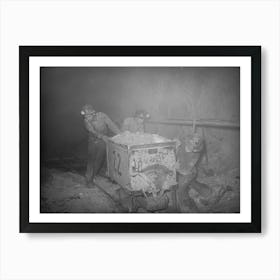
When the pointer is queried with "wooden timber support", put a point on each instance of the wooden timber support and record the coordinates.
(201, 122)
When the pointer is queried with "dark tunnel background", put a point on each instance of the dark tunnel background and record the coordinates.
(166, 93)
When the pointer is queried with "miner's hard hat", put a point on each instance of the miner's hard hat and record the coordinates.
(142, 114)
(87, 110)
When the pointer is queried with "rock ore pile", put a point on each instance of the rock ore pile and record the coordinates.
(129, 138)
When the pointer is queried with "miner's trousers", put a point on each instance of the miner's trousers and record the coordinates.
(96, 157)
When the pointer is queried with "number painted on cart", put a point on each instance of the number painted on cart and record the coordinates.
(117, 163)
(137, 165)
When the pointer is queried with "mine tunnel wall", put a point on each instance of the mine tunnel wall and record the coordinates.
(167, 93)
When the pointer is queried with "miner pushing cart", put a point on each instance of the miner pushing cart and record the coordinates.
(142, 164)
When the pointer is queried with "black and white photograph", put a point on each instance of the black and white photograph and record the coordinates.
(140, 140)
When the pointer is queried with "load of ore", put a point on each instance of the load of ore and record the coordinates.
(138, 138)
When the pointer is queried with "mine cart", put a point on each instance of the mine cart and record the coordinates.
(146, 171)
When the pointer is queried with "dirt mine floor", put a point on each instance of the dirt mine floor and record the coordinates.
(64, 191)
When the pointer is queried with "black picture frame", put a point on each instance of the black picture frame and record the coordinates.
(25, 52)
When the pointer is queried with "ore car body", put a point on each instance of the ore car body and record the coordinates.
(142, 167)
